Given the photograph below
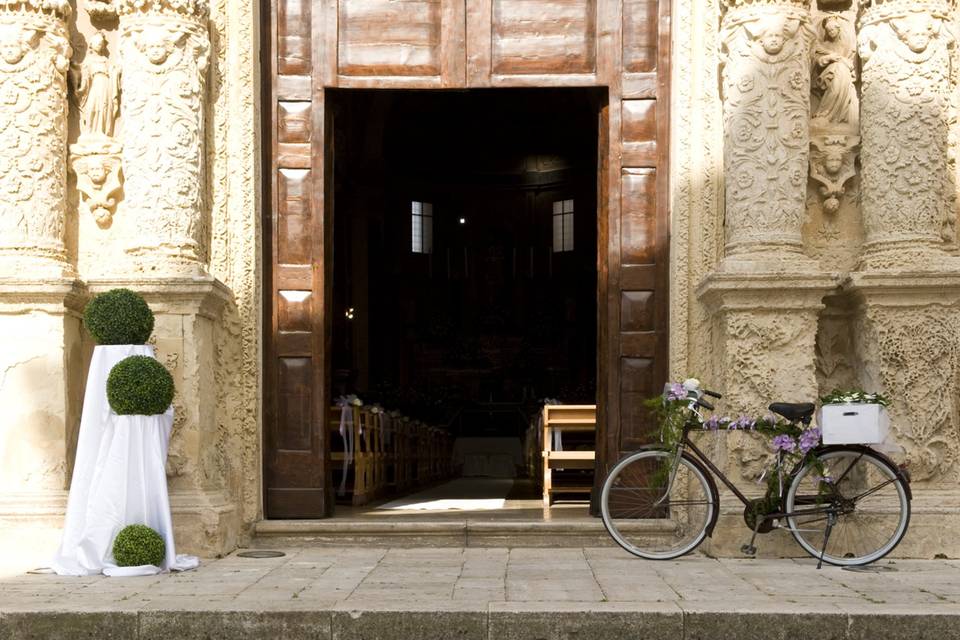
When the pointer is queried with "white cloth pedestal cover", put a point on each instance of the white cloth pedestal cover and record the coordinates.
(119, 479)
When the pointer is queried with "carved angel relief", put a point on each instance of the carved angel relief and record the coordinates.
(835, 123)
(95, 157)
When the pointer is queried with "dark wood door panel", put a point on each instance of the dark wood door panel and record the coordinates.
(309, 45)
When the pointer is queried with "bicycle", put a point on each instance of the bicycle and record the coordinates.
(848, 505)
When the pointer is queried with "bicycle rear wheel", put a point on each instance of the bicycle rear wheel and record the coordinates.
(865, 496)
(650, 519)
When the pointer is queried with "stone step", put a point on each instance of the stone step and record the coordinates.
(453, 533)
(498, 621)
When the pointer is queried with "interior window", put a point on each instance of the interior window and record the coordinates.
(562, 226)
(421, 216)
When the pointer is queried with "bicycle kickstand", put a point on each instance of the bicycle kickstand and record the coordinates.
(826, 538)
(748, 549)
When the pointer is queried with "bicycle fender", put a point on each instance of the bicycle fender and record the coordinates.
(715, 493)
(900, 473)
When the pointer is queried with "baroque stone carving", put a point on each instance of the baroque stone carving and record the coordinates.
(766, 109)
(165, 49)
(835, 124)
(908, 182)
(96, 85)
(34, 55)
(95, 157)
(913, 356)
(101, 9)
(832, 163)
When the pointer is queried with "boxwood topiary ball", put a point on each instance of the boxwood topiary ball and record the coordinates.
(118, 316)
(137, 545)
(139, 385)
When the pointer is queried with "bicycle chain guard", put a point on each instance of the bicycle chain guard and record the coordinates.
(761, 507)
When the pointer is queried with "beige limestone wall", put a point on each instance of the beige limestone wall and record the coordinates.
(206, 296)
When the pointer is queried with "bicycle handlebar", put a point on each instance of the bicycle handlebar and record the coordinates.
(705, 404)
(712, 394)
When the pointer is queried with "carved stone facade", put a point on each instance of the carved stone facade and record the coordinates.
(766, 107)
(165, 51)
(34, 56)
(766, 192)
(908, 194)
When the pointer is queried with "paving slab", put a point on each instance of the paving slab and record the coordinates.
(484, 593)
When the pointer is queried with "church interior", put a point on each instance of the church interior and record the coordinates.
(464, 296)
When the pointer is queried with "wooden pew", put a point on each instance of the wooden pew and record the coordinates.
(566, 418)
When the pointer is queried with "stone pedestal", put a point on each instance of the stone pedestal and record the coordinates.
(34, 56)
(165, 54)
(188, 311)
(907, 339)
(764, 333)
(765, 58)
(41, 390)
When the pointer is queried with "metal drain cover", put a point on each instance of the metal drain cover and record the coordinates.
(261, 553)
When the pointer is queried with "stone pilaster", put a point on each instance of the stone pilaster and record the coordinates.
(41, 390)
(765, 60)
(34, 57)
(188, 315)
(907, 338)
(165, 49)
(908, 186)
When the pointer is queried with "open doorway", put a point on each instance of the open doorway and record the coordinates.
(464, 288)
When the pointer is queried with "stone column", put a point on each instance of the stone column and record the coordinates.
(34, 57)
(165, 52)
(908, 187)
(765, 60)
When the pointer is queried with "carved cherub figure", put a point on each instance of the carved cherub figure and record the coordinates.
(832, 164)
(15, 43)
(98, 181)
(157, 45)
(772, 32)
(916, 30)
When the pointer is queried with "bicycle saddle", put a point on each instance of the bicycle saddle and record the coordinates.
(793, 411)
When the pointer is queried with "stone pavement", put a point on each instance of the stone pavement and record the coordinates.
(492, 594)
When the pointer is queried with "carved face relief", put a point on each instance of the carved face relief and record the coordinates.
(97, 171)
(831, 28)
(14, 44)
(833, 162)
(916, 30)
(773, 31)
(156, 46)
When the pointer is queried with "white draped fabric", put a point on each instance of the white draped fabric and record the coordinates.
(119, 479)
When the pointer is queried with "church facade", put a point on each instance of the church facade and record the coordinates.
(776, 214)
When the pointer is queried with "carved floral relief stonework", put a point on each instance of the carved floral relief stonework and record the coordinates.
(766, 108)
(908, 183)
(34, 56)
(165, 52)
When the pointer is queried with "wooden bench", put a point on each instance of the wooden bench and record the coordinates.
(566, 418)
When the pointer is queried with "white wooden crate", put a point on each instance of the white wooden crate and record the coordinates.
(854, 423)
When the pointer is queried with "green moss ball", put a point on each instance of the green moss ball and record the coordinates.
(139, 386)
(118, 316)
(137, 545)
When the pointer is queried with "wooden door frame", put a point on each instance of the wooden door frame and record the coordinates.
(612, 277)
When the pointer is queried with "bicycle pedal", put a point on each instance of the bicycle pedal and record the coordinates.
(748, 550)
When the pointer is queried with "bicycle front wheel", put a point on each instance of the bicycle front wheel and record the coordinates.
(864, 496)
(652, 517)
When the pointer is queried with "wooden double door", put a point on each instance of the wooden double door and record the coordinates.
(312, 46)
